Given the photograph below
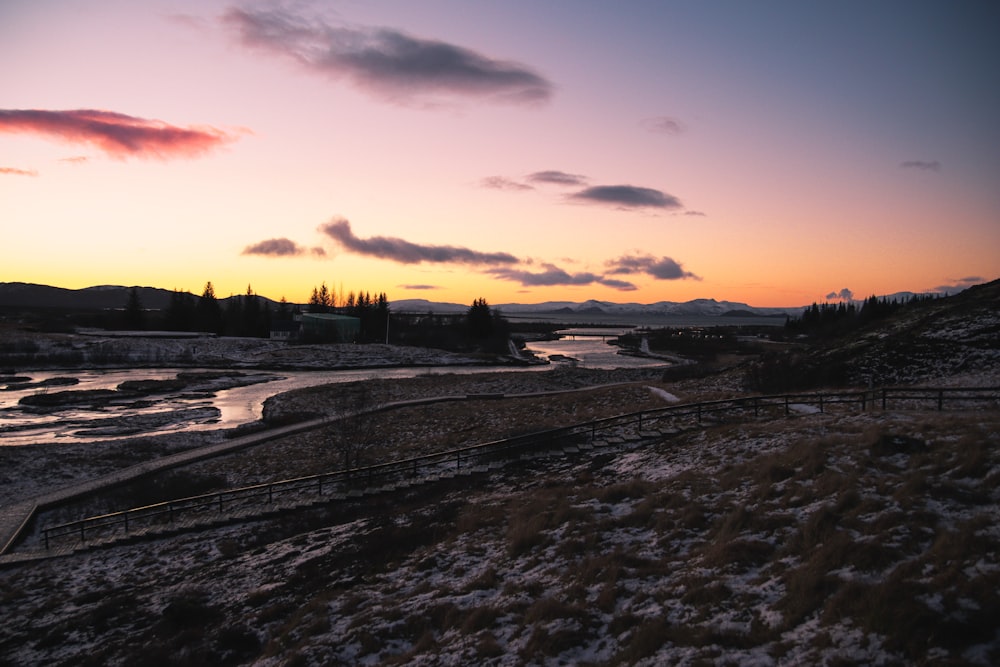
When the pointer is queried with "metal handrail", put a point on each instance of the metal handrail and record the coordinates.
(412, 466)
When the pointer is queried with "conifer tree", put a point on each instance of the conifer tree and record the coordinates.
(135, 314)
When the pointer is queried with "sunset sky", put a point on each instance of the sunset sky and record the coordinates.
(774, 153)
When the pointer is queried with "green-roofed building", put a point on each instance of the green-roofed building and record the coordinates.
(330, 328)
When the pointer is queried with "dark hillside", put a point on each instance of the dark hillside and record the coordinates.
(919, 343)
(26, 295)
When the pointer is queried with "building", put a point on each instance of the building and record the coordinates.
(329, 328)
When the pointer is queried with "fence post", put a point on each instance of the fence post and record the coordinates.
(458, 461)
(640, 422)
(83, 537)
(220, 503)
(786, 406)
(699, 413)
(821, 402)
(125, 514)
(270, 494)
(319, 485)
(46, 539)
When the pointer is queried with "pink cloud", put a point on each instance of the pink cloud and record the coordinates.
(116, 134)
(14, 171)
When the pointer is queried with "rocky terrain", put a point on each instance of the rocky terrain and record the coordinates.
(845, 537)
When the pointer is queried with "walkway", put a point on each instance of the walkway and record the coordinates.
(625, 430)
(16, 517)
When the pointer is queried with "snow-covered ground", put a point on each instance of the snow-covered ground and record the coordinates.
(35, 350)
(831, 538)
(816, 539)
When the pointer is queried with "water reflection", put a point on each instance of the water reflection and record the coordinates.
(590, 348)
(228, 408)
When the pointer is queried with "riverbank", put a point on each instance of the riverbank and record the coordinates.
(33, 469)
(34, 351)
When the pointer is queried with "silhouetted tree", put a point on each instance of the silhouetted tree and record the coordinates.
(135, 314)
(209, 313)
(180, 311)
(479, 320)
(321, 300)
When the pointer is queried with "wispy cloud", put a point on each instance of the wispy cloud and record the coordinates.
(662, 125)
(663, 268)
(281, 248)
(627, 196)
(552, 275)
(921, 165)
(14, 171)
(501, 183)
(557, 178)
(386, 63)
(406, 252)
(116, 134)
(419, 287)
(189, 21)
(75, 159)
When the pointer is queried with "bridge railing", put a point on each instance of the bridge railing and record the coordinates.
(342, 483)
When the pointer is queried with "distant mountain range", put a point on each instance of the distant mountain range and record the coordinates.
(28, 295)
(695, 308)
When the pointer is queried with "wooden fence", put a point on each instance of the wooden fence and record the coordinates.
(647, 425)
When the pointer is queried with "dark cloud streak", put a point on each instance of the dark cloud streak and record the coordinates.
(116, 134)
(406, 252)
(664, 268)
(557, 178)
(281, 248)
(663, 125)
(554, 276)
(387, 63)
(921, 165)
(501, 183)
(628, 196)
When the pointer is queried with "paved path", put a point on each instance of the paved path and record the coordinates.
(15, 518)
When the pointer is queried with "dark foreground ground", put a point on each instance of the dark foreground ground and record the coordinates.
(837, 538)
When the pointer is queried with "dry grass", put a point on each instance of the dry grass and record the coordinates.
(806, 526)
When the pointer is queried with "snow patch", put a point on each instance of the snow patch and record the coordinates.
(664, 395)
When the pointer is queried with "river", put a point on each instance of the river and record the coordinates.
(229, 408)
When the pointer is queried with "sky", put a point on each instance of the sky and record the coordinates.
(774, 153)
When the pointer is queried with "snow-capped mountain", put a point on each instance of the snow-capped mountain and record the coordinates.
(697, 307)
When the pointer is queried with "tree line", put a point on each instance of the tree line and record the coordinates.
(832, 319)
(247, 315)
(250, 315)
